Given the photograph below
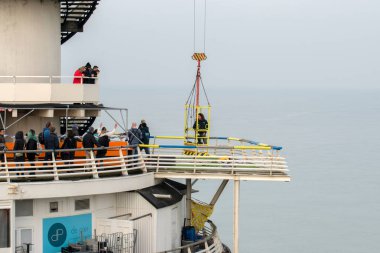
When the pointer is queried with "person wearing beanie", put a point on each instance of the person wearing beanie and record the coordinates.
(87, 73)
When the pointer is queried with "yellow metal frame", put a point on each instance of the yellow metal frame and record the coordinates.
(189, 125)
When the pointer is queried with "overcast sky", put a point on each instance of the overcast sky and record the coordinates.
(271, 43)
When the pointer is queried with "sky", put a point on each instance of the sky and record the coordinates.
(277, 72)
(280, 44)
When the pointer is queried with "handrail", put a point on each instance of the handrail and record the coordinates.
(242, 140)
(215, 247)
(49, 78)
(58, 169)
(223, 163)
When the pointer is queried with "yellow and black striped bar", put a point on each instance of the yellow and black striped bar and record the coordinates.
(193, 152)
(199, 56)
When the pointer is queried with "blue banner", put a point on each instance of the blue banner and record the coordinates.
(60, 231)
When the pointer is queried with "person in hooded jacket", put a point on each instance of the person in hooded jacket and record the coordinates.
(31, 144)
(70, 142)
(145, 135)
(19, 145)
(87, 73)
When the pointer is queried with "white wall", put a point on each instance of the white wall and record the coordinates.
(159, 232)
(132, 202)
(169, 224)
(49, 93)
(30, 37)
(101, 206)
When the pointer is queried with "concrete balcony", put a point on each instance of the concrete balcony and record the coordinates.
(46, 89)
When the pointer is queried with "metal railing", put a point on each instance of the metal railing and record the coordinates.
(43, 79)
(58, 169)
(165, 161)
(260, 164)
(209, 242)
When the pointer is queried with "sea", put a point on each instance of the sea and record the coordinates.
(330, 138)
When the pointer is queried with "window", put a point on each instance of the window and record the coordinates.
(5, 227)
(54, 207)
(24, 236)
(82, 204)
(24, 208)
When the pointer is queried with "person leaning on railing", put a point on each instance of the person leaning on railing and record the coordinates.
(94, 74)
(78, 75)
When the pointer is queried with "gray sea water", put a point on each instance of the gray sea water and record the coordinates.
(331, 142)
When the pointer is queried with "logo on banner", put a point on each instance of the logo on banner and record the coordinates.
(57, 234)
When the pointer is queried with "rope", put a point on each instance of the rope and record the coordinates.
(204, 26)
(194, 26)
(204, 90)
(204, 29)
(191, 93)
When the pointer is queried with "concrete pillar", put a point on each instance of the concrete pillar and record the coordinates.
(30, 37)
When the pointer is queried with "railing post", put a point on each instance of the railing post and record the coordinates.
(6, 168)
(271, 162)
(93, 165)
(55, 170)
(158, 163)
(124, 171)
(206, 247)
(142, 160)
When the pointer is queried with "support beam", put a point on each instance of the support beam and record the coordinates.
(236, 215)
(188, 202)
(219, 192)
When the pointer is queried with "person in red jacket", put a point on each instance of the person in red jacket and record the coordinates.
(78, 75)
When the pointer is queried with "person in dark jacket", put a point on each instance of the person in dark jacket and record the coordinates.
(89, 141)
(201, 129)
(52, 143)
(87, 73)
(31, 144)
(70, 142)
(19, 146)
(3, 147)
(145, 135)
(94, 74)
